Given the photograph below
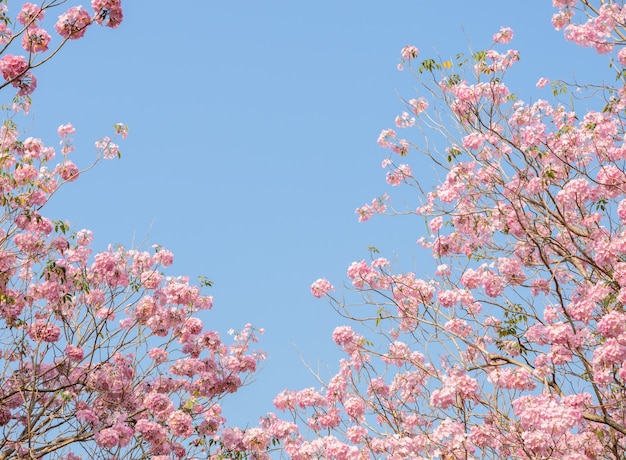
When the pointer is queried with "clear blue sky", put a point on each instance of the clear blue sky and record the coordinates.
(253, 131)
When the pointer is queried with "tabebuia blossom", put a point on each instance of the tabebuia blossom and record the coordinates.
(35, 40)
(12, 67)
(320, 287)
(73, 23)
(108, 11)
(504, 35)
(30, 13)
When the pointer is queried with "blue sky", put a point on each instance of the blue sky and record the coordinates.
(253, 131)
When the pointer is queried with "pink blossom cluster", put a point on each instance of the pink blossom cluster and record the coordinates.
(378, 206)
(321, 287)
(14, 69)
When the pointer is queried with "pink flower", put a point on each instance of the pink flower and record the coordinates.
(151, 279)
(73, 24)
(74, 353)
(621, 56)
(27, 84)
(109, 149)
(355, 407)
(107, 438)
(365, 212)
(163, 256)
(409, 52)
(35, 40)
(504, 35)
(418, 105)
(121, 129)
(320, 287)
(346, 338)
(159, 355)
(108, 11)
(180, 423)
(404, 120)
(29, 14)
(84, 237)
(542, 82)
(159, 404)
(68, 171)
(12, 66)
(65, 130)
(86, 415)
(43, 332)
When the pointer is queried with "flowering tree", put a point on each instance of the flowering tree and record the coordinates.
(515, 346)
(101, 355)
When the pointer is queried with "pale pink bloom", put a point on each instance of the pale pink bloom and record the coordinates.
(107, 438)
(473, 141)
(256, 439)
(25, 174)
(399, 175)
(159, 355)
(309, 397)
(285, 400)
(40, 331)
(419, 105)
(159, 404)
(443, 397)
(613, 324)
(321, 287)
(379, 205)
(66, 130)
(443, 270)
(542, 82)
(68, 171)
(152, 432)
(365, 212)
(12, 66)
(121, 129)
(163, 256)
(5, 33)
(74, 353)
(35, 40)
(84, 237)
(151, 279)
(409, 52)
(511, 378)
(458, 327)
(73, 24)
(345, 337)
(86, 415)
(355, 407)
(30, 13)
(504, 35)
(356, 434)
(404, 120)
(561, 19)
(621, 56)
(109, 149)
(232, 438)
(108, 12)
(385, 138)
